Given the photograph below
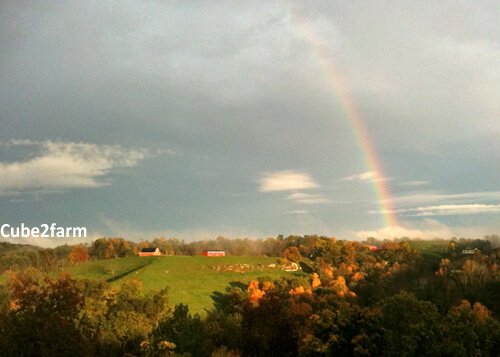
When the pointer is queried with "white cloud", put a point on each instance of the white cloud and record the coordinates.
(447, 210)
(57, 165)
(300, 211)
(431, 196)
(307, 198)
(286, 181)
(369, 176)
(417, 183)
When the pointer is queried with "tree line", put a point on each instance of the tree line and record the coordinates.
(348, 300)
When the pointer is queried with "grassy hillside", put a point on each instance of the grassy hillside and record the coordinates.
(435, 246)
(191, 279)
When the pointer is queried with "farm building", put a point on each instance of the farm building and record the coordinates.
(149, 252)
(214, 253)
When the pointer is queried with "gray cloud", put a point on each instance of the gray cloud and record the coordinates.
(238, 89)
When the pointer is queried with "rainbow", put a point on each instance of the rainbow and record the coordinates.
(347, 103)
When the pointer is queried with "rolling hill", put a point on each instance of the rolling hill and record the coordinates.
(191, 279)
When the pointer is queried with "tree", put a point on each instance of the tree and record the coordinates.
(408, 326)
(187, 332)
(79, 254)
(470, 331)
(42, 316)
(292, 254)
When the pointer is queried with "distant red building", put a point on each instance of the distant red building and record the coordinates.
(373, 248)
(213, 253)
(149, 252)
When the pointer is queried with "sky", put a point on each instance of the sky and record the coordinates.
(198, 119)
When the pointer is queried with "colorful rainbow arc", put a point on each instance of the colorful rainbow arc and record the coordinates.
(348, 105)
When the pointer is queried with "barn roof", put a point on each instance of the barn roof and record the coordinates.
(148, 250)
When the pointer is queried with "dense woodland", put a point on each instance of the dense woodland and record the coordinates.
(347, 300)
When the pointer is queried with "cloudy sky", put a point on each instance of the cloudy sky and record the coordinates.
(203, 118)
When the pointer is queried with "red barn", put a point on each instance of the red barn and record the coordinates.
(149, 252)
(214, 253)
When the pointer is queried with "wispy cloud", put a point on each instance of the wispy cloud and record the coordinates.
(56, 165)
(300, 211)
(288, 180)
(447, 210)
(414, 183)
(369, 176)
(433, 196)
(307, 198)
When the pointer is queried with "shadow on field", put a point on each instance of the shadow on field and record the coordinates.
(124, 274)
(238, 284)
(306, 268)
(222, 301)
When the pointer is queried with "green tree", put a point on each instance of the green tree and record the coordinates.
(187, 332)
(408, 326)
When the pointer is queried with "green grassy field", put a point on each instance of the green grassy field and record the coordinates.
(435, 246)
(191, 279)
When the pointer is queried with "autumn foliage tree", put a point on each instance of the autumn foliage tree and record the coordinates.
(42, 316)
(470, 330)
(79, 254)
(292, 254)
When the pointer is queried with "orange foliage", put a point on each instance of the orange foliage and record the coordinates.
(357, 276)
(78, 254)
(480, 313)
(340, 287)
(315, 281)
(327, 269)
(254, 292)
(444, 266)
(267, 285)
(329, 272)
(14, 305)
(299, 290)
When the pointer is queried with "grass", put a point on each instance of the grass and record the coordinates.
(105, 269)
(191, 279)
(437, 246)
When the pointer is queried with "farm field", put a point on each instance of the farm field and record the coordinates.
(191, 279)
(436, 246)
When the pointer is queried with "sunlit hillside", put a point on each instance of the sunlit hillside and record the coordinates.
(191, 279)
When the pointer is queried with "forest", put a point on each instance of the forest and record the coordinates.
(373, 298)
